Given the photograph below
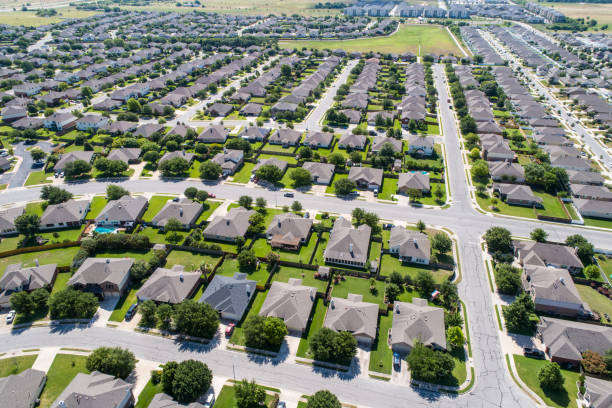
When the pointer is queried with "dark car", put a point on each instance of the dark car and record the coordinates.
(533, 353)
(131, 312)
(397, 361)
(288, 195)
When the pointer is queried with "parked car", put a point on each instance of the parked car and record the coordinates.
(306, 215)
(10, 317)
(397, 361)
(229, 329)
(210, 400)
(131, 312)
(281, 404)
(388, 226)
(533, 353)
(211, 195)
(176, 199)
(288, 195)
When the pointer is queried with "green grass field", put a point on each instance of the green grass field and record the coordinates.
(17, 364)
(381, 355)
(209, 208)
(255, 307)
(60, 256)
(30, 19)
(230, 266)
(37, 177)
(391, 263)
(262, 248)
(318, 317)
(190, 260)
(156, 203)
(284, 273)
(244, 175)
(359, 286)
(62, 371)
(596, 301)
(96, 206)
(147, 394)
(418, 39)
(123, 305)
(227, 398)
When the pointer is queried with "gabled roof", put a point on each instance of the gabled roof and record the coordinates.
(352, 140)
(366, 174)
(322, 170)
(552, 287)
(125, 209)
(348, 243)
(291, 302)
(410, 243)
(96, 271)
(169, 285)
(229, 294)
(234, 224)
(417, 321)
(95, 390)
(568, 339)
(178, 153)
(125, 154)
(542, 254)
(165, 401)
(380, 141)
(21, 390)
(285, 136)
(70, 211)
(7, 217)
(73, 156)
(413, 180)
(33, 277)
(289, 227)
(185, 210)
(352, 315)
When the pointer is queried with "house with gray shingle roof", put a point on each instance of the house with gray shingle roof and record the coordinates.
(178, 153)
(517, 194)
(348, 245)
(285, 137)
(547, 254)
(352, 141)
(185, 211)
(103, 277)
(7, 220)
(125, 211)
(289, 231)
(227, 228)
(22, 390)
(594, 208)
(366, 177)
(416, 180)
(506, 171)
(320, 173)
(553, 291)
(272, 161)
(410, 246)
(380, 141)
(16, 278)
(96, 390)
(66, 158)
(169, 285)
(213, 134)
(229, 160)
(165, 401)
(291, 302)
(64, 215)
(230, 296)
(318, 139)
(125, 154)
(417, 321)
(354, 316)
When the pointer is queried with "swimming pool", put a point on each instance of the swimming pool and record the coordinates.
(105, 230)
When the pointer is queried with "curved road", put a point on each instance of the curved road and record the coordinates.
(494, 386)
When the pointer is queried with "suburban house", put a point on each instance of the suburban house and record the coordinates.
(64, 215)
(348, 245)
(185, 211)
(285, 137)
(22, 390)
(352, 141)
(127, 155)
(229, 295)
(251, 109)
(214, 134)
(291, 302)
(410, 246)
(415, 180)
(590, 192)
(366, 177)
(14, 113)
(120, 126)
(91, 122)
(417, 321)
(229, 227)
(566, 340)
(318, 139)
(380, 141)
(254, 134)
(517, 194)
(96, 390)
(149, 129)
(60, 121)
(594, 208)
(289, 231)
(229, 160)
(126, 211)
(16, 278)
(545, 254)
(272, 161)
(506, 171)
(162, 400)
(169, 285)
(7, 220)
(420, 145)
(553, 291)
(598, 393)
(178, 153)
(103, 277)
(571, 163)
(585, 177)
(220, 109)
(66, 158)
(354, 316)
(320, 173)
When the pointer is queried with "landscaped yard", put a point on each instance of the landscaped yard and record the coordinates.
(256, 303)
(392, 263)
(62, 371)
(359, 286)
(96, 206)
(190, 260)
(262, 248)
(123, 305)
(147, 394)
(244, 174)
(38, 177)
(230, 266)
(209, 208)
(316, 322)
(596, 301)
(284, 273)
(156, 203)
(17, 364)
(227, 398)
(381, 355)
(528, 369)
(59, 256)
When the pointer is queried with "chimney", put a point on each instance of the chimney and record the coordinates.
(227, 222)
(331, 304)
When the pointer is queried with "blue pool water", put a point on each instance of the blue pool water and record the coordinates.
(105, 230)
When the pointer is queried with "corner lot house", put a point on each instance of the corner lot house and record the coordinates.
(289, 231)
(566, 340)
(320, 173)
(22, 390)
(291, 302)
(125, 211)
(420, 145)
(410, 246)
(366, 177)
(169, 285)
(16, 279)
(348, 245)
(127, 155)
(66, 158)
(417, 321)
(517, 194)
(103, 277)
(230, 296)
(64, 215)
(545, 254)
(354, 316)
(227, 228)
(506, 171)
(96, 390)
(185, 211)
(594, 208)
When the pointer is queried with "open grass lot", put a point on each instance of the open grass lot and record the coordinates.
(528, 369)
(147, 394)
(598, 11)
(156, 203)
(230, 266)
(59, 256)
(244, 175)
(381, 355)
(17, 364)
(190, 260)
(284, 273)
(209, 208)
(262, 248)
(596, 301)
(391, 263)
(37, 177)
(158, 236)
(317, 317)
(123, 305)
(431, 39)
(255, 306)
(63, 369)
(30, 19)
(96, 206)
(227, 398)
(359, 286)
(503, 208)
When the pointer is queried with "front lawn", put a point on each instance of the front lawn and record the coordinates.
(596, 301)
(156, 203)
(123, 305)
(331, 189)
(502, 208)
(389, 188)
(16, 365)
(244, 175)
(317, 317)
(359, 286)
(96, 206)
(38, 177)
(597, 222)
(391, 263)
(284, 273)
(381, 355)
(209, 208)
(61, 281)
(227, 398)
(190, 260)
(528, 369)
(62, 371)
(255, 306)
(147, 394)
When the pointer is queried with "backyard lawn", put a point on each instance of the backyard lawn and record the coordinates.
(319, 259)
(17, 364)
(230, 266)
(62, 371)
(96, 206)
(596, 301)
(158, 236)
(262, 248)
(190, 260)
(528, 369)
(156, 203)
(288, 159)
(59, 256)
(137, 255)
(147, 394)
(284, 273)
(391, 263)
(381, 355)
(256, 303)
(359, 286)
(315, 323)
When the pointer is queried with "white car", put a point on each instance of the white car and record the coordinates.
(10, 317)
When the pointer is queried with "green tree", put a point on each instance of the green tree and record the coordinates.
(173, 225)
(190, 192)
(260, 202)
(550, 376)
(247, 261)
(210, 170)
(518, 315)
(334, 347)
(265, 333)
(392, 291)
(455, 337)
(115, 192)
(498, 239)
(592, 272)
(441, 242)
(249, 394)
(296, 206)
(164, 316)
(40, 298)
(323, 399)
(113, 361)
(420, 225)
(186, 381)
(344, 186)
(55, 195)
(480, 171)
(148, 311)
(22, 303)
(196, 319)
(300, 176)
(69, 303)
(27, 224)
(539, 235)
(245, 201)
(429, 365)
(305, 152)
(507, 278)
(337, 159)
(269, 172)
(584, 248)
(77, 168)
(37, 154)
(608, 359)
(175, 167)
(134, 106)
(201, 195)
(425, 284)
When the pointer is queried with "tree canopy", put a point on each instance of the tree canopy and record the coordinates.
(114, 361)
